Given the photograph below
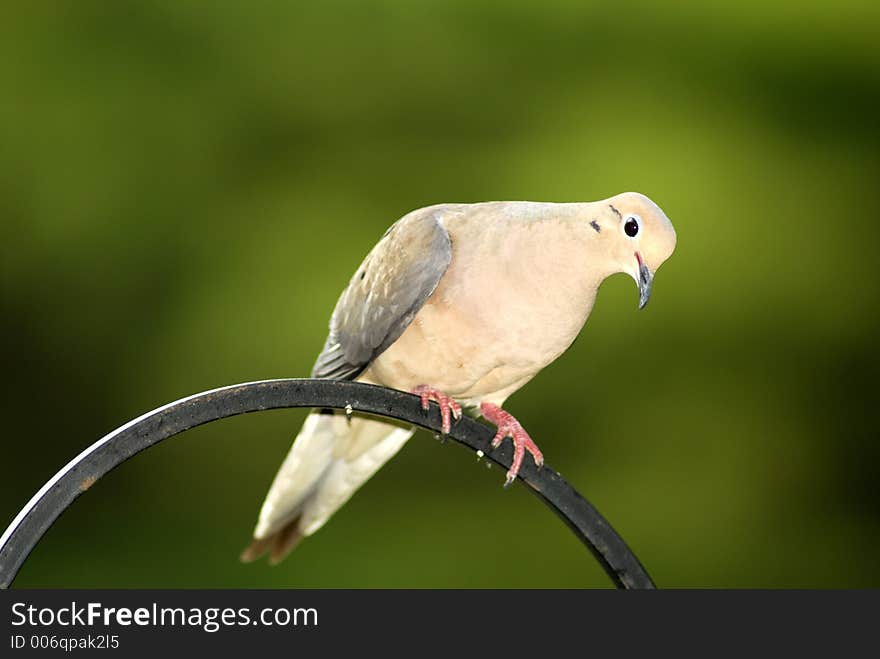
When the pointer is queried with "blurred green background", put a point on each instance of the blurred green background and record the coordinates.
(185, 188)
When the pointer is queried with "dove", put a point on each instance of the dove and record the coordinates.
(461, 304)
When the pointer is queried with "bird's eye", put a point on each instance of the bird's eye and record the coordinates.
(631, 226)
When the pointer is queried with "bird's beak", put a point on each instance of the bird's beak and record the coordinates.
(644, 280)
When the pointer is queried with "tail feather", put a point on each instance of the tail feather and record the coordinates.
(330, 459)
(299, 474)
(278, 545)
(345, 475)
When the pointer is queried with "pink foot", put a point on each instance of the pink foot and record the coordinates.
(448, 407)
(508, 426)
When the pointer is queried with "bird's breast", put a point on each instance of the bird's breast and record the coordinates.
(500, 314)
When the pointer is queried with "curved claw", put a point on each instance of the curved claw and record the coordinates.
(508, 426)
(448, 407)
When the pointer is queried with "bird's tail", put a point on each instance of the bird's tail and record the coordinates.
(330, 459)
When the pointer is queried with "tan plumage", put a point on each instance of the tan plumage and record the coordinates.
(471, 299)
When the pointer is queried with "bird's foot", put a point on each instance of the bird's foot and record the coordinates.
(508, 426)
(448, 407)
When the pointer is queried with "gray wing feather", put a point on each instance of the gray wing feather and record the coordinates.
(385, 293)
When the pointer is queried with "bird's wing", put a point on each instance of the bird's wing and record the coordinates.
(385, 293)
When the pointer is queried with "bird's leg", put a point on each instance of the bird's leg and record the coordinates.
(508, 426)
(448, 407)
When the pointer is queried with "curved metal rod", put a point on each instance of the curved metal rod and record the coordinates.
(112, 450)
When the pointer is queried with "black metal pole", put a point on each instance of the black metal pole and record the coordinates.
(112, 450)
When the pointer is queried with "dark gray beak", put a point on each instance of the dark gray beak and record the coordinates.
(646, 279)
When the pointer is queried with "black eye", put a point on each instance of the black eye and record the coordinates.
(631, 228)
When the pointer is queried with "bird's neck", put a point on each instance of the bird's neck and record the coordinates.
(558, 260)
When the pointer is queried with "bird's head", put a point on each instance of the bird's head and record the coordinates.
(638, 236)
